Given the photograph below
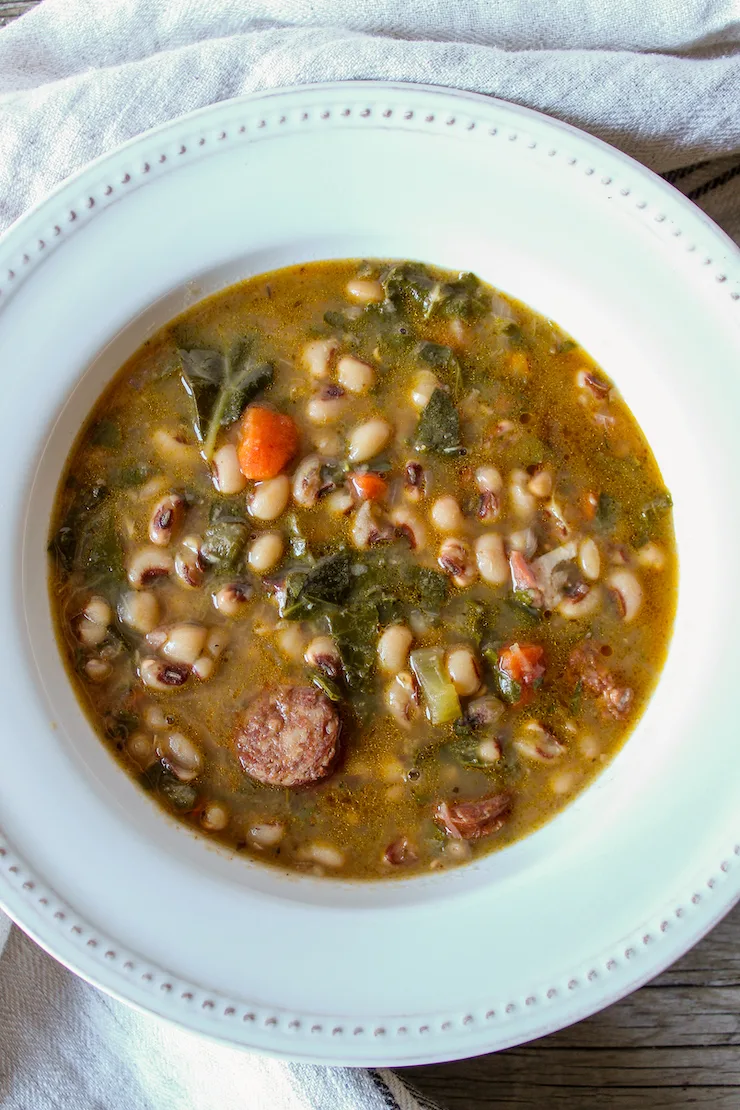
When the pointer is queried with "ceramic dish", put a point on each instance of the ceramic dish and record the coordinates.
(648, 858)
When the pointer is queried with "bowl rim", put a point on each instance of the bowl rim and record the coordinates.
(21, 892)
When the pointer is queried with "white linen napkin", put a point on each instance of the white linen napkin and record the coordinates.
(78, 77)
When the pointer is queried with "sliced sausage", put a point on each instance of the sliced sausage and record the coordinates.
(288, 736)
(587, 664)
(470, 820)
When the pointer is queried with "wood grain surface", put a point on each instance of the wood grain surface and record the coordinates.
(674, 1043)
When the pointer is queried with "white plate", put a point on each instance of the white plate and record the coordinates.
(628, 877)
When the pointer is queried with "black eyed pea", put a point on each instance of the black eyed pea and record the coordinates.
(447, 515)
(147, 565)
(162, 676)
(184, 643)
(540, 485)
(98, 670)
(409, 524)
(463, 670)
(205, 664)
(628, 591)
(651, 556)
(227, 476)
(369, 527)
(323, 654)
(368, 439)
(92, 623)
(393, 648)
(327, 406)
(307, 482)
(327, 442)
(589, 558)
(456, 559)
(537, 744)
(265, 552)
(215, 817)
(267, 834)
(402, 699)
(365, 291)
(155, 718)
(340, 501)
(180, 755)
(490, 556)
(458, 850)
(577, 608)
(189, 565)
(291, 640)
(354, 375)
(140, 748)
(489, 751)
(317, 357)
(424, 386)
(167, 516)
(139, 610)
(175, 447)
(270, 498)
(522, 501)
(233, 599)
(325, 855)
(523, 540)
(490, 488)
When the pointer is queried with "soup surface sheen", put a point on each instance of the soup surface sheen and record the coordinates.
(363, 569)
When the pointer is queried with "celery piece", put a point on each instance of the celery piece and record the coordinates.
(443, 703)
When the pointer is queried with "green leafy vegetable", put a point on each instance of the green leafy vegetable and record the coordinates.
(410, 286)
(441, 697)
(225, 537)
(465, 748)
(328, 685)
(510, 690)
(444, 361)
(330, 579)
(105, 433)
(311, 591)
(521, 601)
(220, 387)
(439, 425)
(120, 724)
(651, 515)
(607, 513)
(429, 589)
(355, 632)
(130, 477)
(515, 335)
(73, 541)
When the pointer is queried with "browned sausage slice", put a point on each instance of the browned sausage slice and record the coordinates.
(587, 663)
(288, 736)
(469, 820)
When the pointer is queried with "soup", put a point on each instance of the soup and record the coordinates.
(363, 569)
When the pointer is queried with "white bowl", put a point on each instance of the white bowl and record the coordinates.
(646, 860)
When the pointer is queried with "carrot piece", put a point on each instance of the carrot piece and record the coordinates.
(520, 667)
(267, 441)
(369, 486)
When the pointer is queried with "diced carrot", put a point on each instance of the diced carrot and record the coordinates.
(522, 662)
(267, 441)
(520, 666)
(369, 486)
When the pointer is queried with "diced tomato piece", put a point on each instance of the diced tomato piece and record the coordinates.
(369, 486)
(267, 441)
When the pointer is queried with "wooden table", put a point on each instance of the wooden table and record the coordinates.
(674, 1043)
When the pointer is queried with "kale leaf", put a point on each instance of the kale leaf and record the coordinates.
(220, 387)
